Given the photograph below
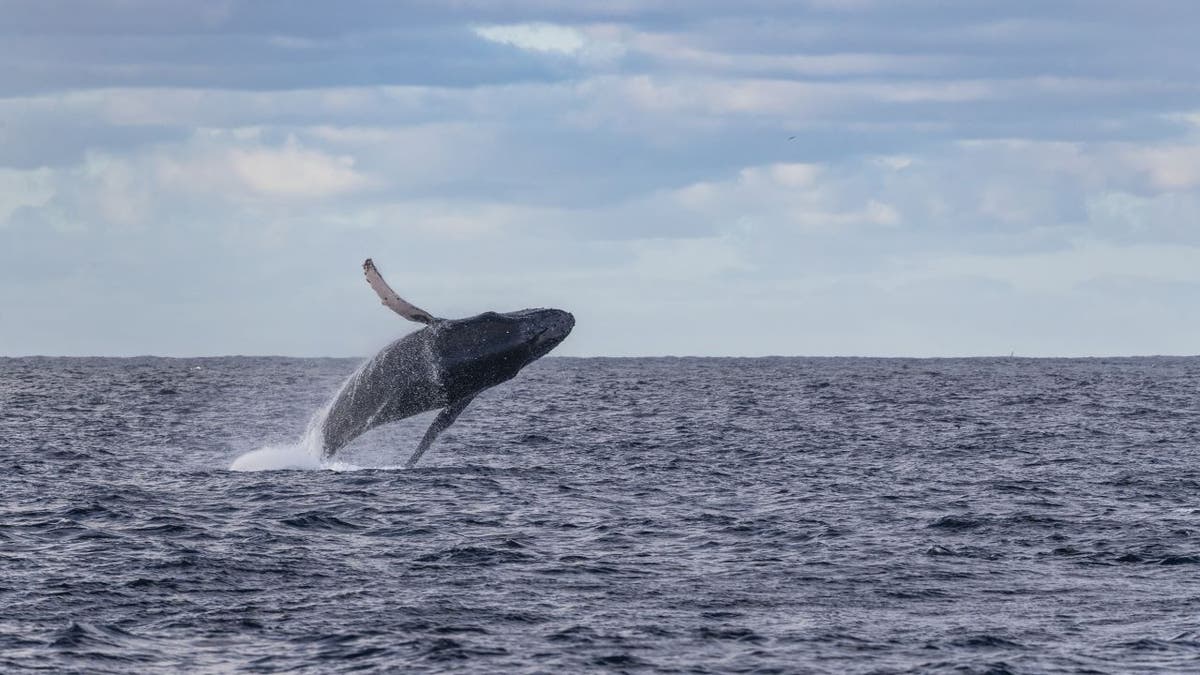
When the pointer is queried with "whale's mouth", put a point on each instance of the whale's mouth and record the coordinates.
(549, 336)
(548, 342)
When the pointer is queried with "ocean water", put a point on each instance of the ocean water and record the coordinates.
(608, 515)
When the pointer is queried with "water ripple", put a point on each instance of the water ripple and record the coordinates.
(609, 515)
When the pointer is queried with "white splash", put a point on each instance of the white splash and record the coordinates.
(276, 458)
(304, 454)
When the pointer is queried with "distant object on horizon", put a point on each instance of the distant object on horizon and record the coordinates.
(443, 365)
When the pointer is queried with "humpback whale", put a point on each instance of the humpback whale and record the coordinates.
(443, 365)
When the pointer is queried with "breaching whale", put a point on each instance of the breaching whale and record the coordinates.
(443, 365)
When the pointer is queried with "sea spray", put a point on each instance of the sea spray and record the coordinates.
(305, 453)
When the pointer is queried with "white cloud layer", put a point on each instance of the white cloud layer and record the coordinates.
(773, 178)
(286, 172)
(538, 37)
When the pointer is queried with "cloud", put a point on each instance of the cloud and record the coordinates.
(789, 200)
(1171, 167)
(538, 37)
(687, 259)
(23, 189)
(1082, 265)
(861, 176)
(214, 175)
(1171, 217)
(289, 171)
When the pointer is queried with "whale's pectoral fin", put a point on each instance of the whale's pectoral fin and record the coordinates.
(444, 419)
(393, 300)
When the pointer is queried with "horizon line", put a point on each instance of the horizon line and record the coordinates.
(627, 356)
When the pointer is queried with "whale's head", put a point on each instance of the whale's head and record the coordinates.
(485, 350)
(541, 329)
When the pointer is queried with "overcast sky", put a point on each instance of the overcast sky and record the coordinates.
(829, 177)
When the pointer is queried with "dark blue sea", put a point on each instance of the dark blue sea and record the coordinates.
(779, 515)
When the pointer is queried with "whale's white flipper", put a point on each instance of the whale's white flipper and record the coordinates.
(391, 299)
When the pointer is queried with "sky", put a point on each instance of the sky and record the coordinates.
(810, 177)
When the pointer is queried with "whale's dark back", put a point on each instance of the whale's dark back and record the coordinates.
(448, 361)
(400, 381)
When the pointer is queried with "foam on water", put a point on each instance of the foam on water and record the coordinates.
(340, 466)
